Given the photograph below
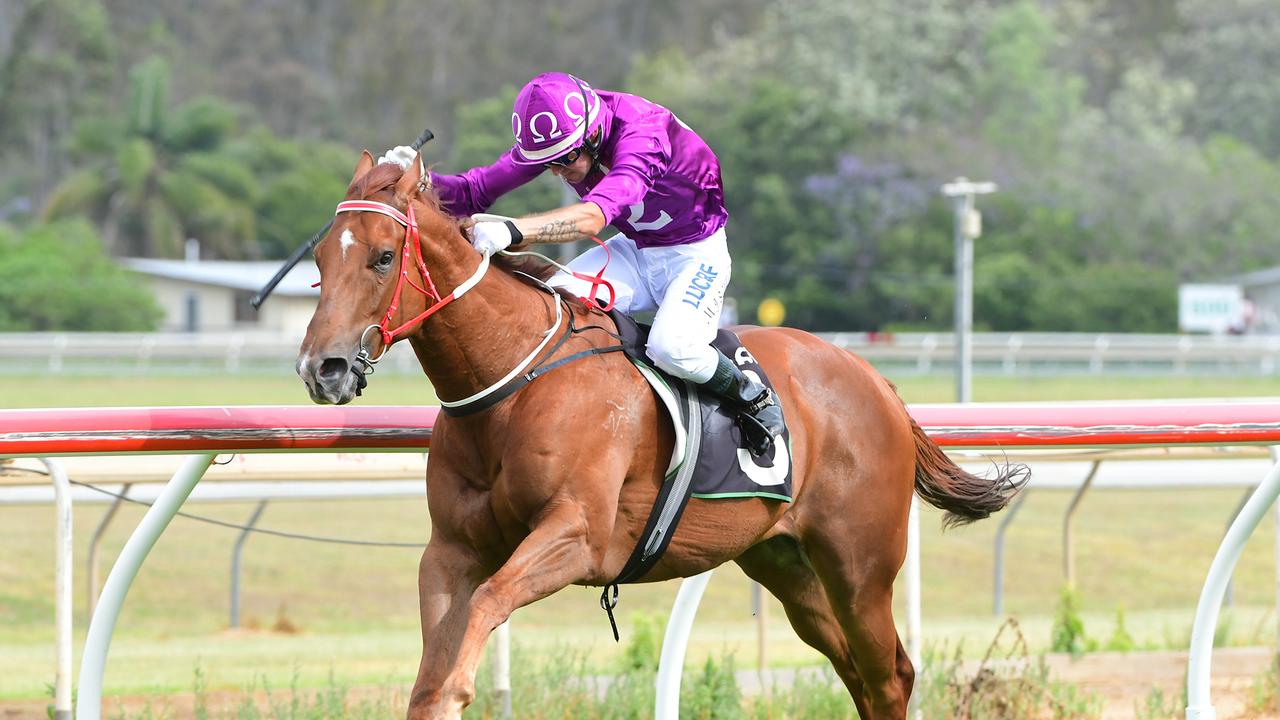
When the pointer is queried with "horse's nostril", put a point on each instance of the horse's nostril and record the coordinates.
(333, 369)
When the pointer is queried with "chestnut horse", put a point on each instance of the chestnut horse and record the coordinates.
(552, 486)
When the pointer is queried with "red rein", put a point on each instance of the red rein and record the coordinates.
(412, 249)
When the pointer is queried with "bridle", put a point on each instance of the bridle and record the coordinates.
(411, 250)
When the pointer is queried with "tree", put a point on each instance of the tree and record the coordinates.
(488, 135)
(1230, 51)
(159, 174)
(297, 185)
(56, 69)
(57, 277)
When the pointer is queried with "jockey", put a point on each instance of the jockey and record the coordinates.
(637, 167)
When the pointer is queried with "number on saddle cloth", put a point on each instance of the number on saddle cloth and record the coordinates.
(724, 466)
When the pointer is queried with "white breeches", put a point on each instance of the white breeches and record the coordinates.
(685, 284)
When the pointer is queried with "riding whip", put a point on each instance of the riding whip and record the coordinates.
(296, 256)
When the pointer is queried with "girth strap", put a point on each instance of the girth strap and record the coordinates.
(672, 498)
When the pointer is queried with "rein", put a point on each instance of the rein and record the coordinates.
(412, 249)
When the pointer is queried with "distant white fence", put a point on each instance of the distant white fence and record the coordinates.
(903, 353)
(1041, 353)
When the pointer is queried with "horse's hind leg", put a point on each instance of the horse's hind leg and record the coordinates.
(859, 587)
(778, 565)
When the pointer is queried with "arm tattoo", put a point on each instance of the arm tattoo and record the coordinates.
(558, 231)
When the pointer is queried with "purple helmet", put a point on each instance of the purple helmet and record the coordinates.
(548, 117)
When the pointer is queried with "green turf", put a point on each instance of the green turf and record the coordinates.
(81, 391)
(393, 389)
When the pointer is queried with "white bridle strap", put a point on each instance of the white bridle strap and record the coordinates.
(385, 209)
(372, 206)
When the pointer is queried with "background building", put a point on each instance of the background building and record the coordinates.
(1262, 291)
(213, 295)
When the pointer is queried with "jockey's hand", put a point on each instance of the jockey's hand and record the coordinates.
(489, 237)
(401, 155)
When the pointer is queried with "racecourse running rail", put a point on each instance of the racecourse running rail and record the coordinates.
(202, 432)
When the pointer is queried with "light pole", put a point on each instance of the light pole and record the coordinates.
(968, 226)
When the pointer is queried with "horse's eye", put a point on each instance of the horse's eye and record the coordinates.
(385, 260)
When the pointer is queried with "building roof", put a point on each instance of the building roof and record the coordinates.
(232, 274)
(1270, 276)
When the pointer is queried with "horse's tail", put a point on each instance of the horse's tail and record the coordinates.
(965, 497)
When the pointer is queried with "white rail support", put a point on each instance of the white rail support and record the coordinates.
(911, 571)
(674, 644)
(62, 589)
(502, 669)
(1199, 704)
(121, 577)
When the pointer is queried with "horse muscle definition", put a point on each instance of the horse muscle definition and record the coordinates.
(551, 486)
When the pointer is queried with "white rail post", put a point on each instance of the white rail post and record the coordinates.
(674, 644)
(62, 589)
(103, 623)
(502, 670)
(1199, 704)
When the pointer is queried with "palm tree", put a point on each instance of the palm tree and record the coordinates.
(159, 174)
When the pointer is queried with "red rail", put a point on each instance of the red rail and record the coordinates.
(173, 430)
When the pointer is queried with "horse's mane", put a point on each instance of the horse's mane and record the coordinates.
(384, 177)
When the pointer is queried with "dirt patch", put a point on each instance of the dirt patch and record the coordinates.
(1126, 680)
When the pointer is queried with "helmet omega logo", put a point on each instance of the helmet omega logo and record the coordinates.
(552, 132)
(568, 109)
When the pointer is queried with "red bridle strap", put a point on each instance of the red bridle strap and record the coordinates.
(412, 250)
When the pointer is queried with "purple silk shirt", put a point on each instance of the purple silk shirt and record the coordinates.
(657, 182)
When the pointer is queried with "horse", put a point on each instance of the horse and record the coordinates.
(552, 485)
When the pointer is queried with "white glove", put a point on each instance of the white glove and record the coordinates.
(401, 155)
(489, 237)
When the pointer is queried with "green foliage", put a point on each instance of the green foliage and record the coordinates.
(1028, 103)
(1264, 691)
(149, 98)
(1158, 705)
(297, 184)
(644, 646)
(1120, 640)
(712, 693)
(812, 696)
(1069, 702)
(1228, 52)
(1135, 144)
(1068, 627)
(160, 181)
(57, 277)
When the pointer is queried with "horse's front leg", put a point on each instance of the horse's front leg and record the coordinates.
(447, 577)
(457, 621)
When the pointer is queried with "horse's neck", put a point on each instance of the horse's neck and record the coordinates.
(479, 338)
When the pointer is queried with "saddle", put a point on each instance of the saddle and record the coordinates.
(710, 458)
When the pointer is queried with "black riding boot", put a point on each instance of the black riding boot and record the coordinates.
(759, 414)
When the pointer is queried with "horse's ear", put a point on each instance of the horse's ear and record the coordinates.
(362, 167)
(412, 182)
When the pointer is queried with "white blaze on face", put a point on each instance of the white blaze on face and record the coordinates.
(347, 240)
